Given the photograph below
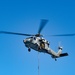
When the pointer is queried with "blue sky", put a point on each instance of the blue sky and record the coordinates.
(24, 16)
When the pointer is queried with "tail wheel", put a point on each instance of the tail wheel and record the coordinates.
(55, 59)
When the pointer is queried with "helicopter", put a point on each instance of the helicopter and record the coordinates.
(40, 44)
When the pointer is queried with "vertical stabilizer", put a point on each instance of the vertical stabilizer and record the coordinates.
(60, 50)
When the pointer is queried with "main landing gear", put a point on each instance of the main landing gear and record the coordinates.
(29, 49)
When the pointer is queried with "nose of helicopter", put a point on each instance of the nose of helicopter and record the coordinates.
(26, 41)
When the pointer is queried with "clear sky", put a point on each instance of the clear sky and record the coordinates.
(24, 16)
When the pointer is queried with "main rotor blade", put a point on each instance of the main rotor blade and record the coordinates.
(64, 35)
(5, 32)
(42, 24)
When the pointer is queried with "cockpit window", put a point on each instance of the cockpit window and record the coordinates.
(31, 37)
(34, 38)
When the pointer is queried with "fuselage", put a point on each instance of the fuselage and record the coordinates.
(37, 43)
(42, 45)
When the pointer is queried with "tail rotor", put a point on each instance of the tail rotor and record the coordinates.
(59, 49)
(59, 46)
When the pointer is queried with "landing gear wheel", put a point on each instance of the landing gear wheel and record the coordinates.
(29, 49)
(55, 59)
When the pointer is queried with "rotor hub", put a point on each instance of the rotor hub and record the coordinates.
(39, 35)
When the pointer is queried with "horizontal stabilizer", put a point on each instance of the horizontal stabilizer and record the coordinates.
(63, 54)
